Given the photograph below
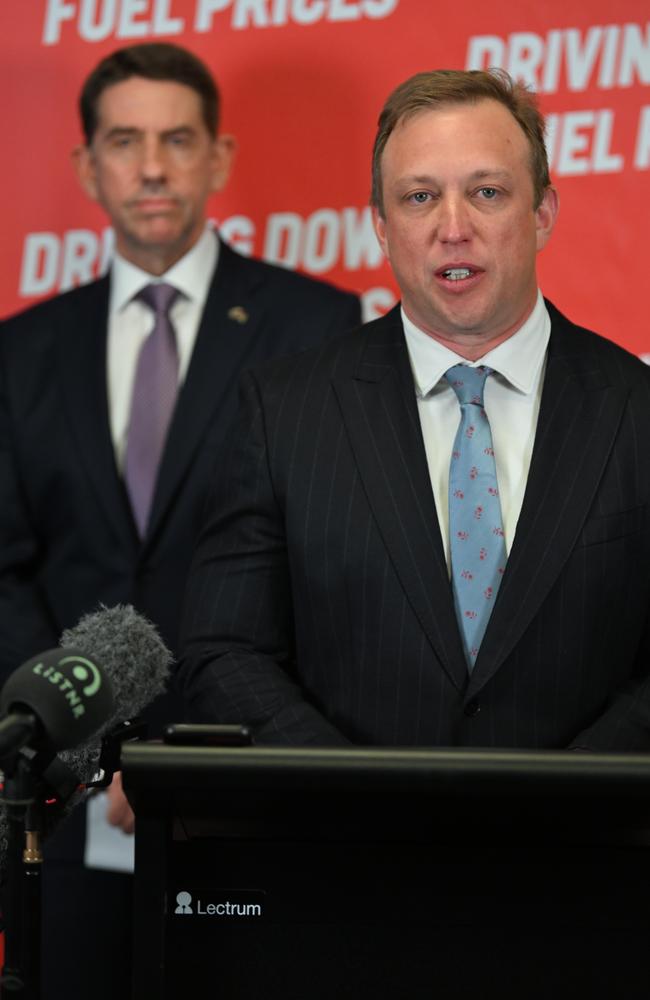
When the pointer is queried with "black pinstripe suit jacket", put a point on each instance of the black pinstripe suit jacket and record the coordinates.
(320, 608)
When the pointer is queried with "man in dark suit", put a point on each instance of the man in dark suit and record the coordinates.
(85, 516)
(435, 529)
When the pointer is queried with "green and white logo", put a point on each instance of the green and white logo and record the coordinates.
(84, 670)
(73, 668)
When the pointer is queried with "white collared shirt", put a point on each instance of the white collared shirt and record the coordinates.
(131, 321)
(512, 399)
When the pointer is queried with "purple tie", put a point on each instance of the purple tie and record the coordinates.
(154, 395)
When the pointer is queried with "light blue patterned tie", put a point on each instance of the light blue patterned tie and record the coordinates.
(477, 542)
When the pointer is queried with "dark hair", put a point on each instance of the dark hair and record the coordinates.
(426, 91)
(153, 61)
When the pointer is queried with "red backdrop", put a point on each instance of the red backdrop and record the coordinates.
(303, 82)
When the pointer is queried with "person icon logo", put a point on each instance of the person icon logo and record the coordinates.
(184, 901)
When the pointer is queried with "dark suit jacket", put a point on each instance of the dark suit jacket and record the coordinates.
(320, 607)
(67, 539)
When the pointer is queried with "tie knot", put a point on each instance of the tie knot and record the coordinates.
(159, 297)
(468, 383)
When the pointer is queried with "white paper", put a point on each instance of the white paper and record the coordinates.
(107, 846)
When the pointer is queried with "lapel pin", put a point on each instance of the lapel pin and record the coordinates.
(238, 313)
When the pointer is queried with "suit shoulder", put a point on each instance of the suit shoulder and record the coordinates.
(41, 319)
(619, 364)
(338, 356)
(285, 281)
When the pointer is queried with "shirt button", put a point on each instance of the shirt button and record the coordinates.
(472, 708)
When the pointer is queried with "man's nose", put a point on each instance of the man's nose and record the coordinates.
(453, 220)
(152, 163)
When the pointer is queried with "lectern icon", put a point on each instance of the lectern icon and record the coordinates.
(184, 901)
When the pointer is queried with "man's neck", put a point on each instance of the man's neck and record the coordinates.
(472, 346)
(157, 260)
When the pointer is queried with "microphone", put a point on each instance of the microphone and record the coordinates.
(136, 661)
(54, 701)
(135, 666)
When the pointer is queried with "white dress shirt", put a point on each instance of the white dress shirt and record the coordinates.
(512, 398)
(130, 321)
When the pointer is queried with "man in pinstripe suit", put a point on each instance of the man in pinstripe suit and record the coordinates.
(320, 607)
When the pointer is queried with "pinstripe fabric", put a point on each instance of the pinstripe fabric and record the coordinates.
(320, 608)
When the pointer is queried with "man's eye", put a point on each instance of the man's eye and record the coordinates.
(419, 197)
(488, 192)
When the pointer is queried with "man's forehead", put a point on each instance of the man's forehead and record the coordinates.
(485, 127)
(147, 103)
(483, 107)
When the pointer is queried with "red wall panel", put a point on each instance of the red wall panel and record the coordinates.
(303, 82)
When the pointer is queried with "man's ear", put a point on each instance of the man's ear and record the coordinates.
(223, 155)
(546, 215)
(379, 224)
(83, 163)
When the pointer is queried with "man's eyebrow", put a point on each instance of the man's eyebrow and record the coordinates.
(496, 173)
(129, 130)
(408, 179)
(186, 129)
(121, 130)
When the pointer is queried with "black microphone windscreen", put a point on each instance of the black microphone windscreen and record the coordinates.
(68, 692)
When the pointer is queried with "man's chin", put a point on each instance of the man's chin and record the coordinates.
(159, 234)
(455, 324)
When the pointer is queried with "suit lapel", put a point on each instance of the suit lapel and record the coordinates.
(228, 329)
(579, 417)
(380, 413)
(81, 346)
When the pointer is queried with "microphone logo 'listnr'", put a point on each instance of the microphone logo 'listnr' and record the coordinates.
(83, 671)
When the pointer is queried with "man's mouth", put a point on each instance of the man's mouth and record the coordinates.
(154, 200)
(459, 272)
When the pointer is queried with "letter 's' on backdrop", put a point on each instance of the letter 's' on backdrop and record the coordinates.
(303, 82)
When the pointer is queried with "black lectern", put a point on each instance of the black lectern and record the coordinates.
(327, 874)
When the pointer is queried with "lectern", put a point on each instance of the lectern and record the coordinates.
(415, 874)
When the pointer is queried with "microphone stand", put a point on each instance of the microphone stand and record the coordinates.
(30, 778)
(21, 974)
